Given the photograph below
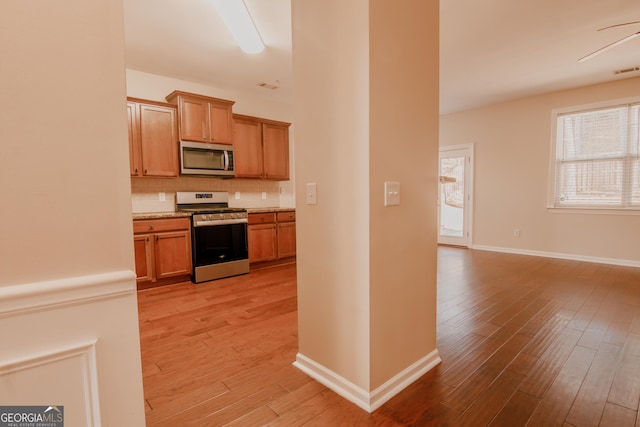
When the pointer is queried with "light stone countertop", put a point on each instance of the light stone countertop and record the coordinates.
(160, 215)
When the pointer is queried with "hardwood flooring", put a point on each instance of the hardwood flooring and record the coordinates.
(524, 341)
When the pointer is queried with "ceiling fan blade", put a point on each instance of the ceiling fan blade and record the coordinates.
(609, 46)
(619, 25)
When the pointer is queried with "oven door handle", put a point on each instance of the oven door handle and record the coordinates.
(220, 222)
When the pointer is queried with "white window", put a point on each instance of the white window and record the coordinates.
(597, 163)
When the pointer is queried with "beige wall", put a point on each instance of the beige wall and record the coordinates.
(145, 191)
(366, 112)
(68, 318)
(331, 113)
(512, 148)
(403, 144)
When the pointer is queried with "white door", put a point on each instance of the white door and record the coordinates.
(454, 201)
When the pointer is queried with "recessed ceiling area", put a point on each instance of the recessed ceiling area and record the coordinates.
(490, 51)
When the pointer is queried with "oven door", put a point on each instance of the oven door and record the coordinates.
(219, 250)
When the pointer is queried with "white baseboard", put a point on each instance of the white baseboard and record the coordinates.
(38, 296)
(573, 257)
(369, 401)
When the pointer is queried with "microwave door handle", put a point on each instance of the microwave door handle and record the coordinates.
(226, 160)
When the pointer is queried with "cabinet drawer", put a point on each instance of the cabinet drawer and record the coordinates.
(262, 218)
(286, 216)
(157, 225)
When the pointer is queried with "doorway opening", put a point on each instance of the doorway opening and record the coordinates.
(455, 202)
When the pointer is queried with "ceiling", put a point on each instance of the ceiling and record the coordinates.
(490, 51)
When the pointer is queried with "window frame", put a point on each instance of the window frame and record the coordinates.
(553, 163)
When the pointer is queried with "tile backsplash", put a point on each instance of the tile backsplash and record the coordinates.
(145, 192)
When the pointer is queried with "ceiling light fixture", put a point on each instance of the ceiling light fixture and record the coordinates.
(236, 17)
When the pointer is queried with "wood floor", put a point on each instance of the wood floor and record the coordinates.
(524, 341)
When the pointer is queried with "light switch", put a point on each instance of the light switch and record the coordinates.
(391, 193)
(312, 198)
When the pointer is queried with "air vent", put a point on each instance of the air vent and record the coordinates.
(627, 70)
(271, 86)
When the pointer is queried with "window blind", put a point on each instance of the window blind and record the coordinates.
(597, 158)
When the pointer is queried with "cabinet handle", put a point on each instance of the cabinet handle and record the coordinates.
(151, 227)
(147, 239)
(136, 170)
(145, 171)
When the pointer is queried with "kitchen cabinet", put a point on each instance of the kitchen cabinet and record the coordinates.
(272, 236)
(203, 118)
(286, 222)
(162, 249)
(153, 138)
(261, 148)
(262, 237)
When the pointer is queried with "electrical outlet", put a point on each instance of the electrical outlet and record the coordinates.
(516, 232)
(237, 195)
(264, 195)
(162, 196)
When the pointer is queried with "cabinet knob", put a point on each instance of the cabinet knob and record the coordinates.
(151, 227)
(145, 171)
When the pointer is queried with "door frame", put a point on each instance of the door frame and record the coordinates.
(468, 189)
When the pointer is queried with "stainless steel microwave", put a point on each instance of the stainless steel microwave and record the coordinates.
(199, 158)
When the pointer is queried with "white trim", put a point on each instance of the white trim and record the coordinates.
(572, 257)
(365, 400)
(85, 351)
(42, 296)
(403, 379)
(593, 210)
(335, 382)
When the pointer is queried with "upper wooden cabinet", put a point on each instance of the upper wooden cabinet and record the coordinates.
(203, 118)
(153, 138)
(261, 148)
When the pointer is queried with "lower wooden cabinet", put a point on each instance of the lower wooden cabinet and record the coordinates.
(272, 236)
(162, 249)
(286, 234)
(262, 242)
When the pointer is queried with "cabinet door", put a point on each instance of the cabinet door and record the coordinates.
(275, 142)
(134, 139)
(193, 119)
(247, 144)
(142, 245)
(220, 123)
(158, 140)
(262, 242)
(172, 254)
(286, 239)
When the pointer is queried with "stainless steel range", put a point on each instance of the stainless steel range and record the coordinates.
(218, 235)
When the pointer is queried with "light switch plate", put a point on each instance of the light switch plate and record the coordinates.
(391, 193)
(312, 196)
